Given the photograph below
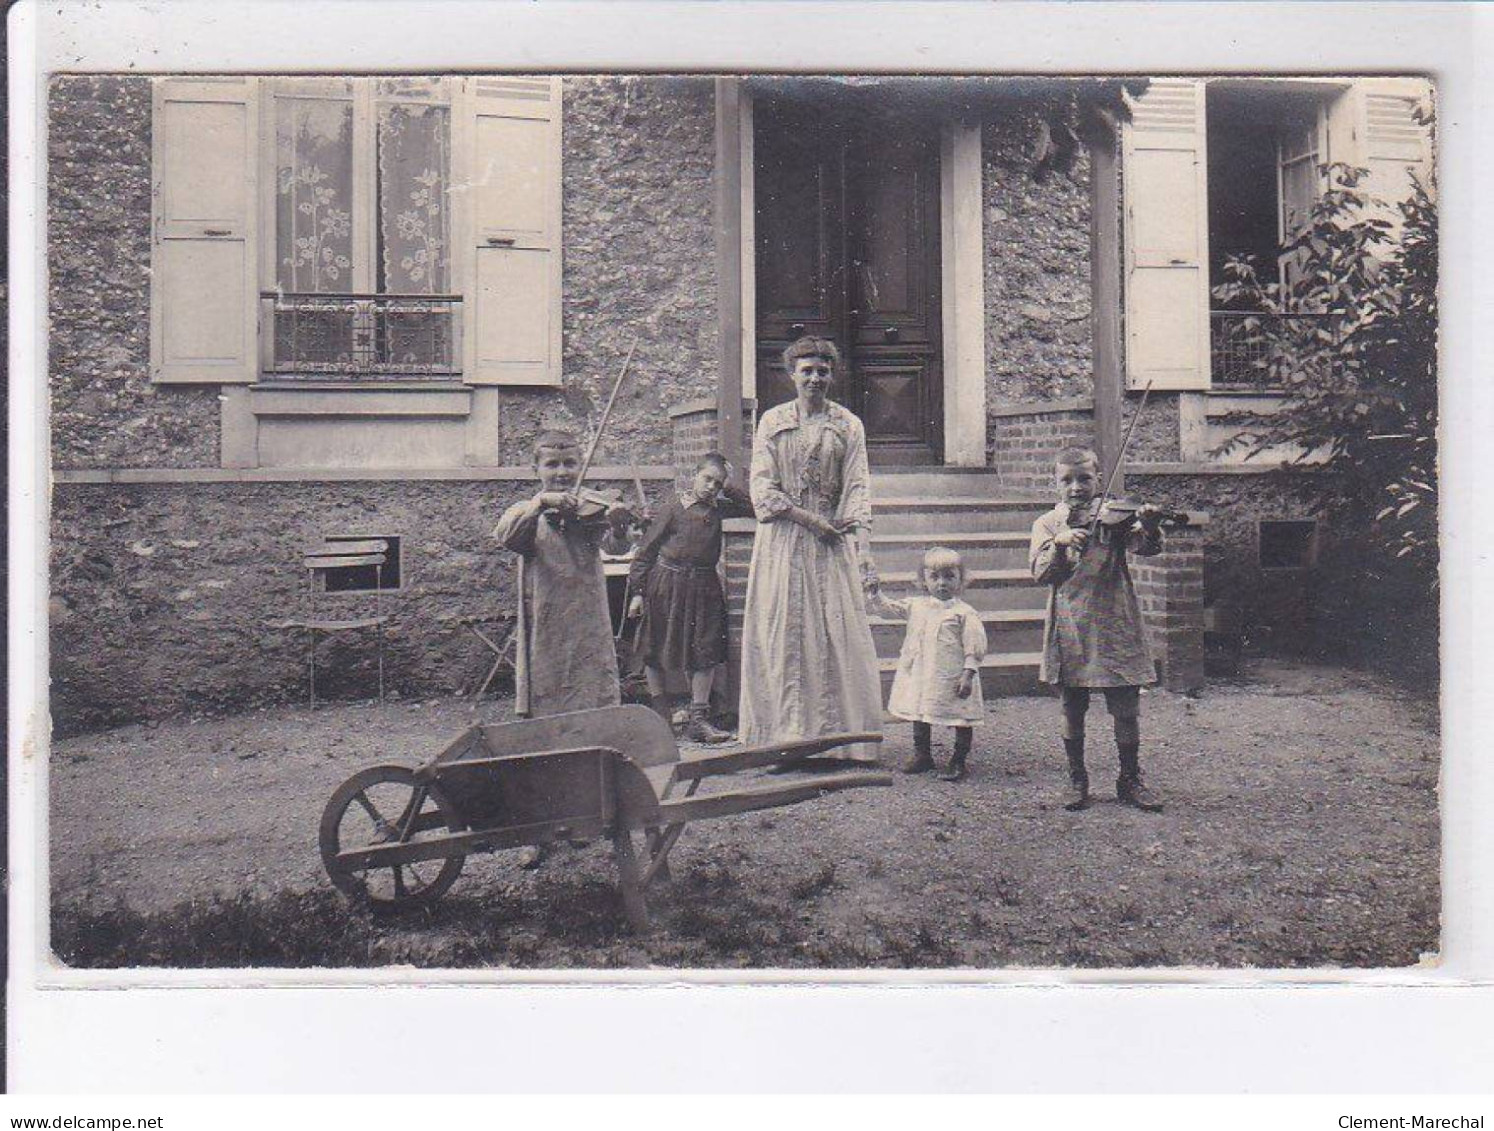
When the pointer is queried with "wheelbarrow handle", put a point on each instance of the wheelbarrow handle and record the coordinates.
(751, 757)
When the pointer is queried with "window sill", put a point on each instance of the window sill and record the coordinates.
(424, 398)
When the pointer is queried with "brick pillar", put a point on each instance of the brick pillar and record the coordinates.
(1024, 439)
(693, 433)
(737, 556)
(1170, 589)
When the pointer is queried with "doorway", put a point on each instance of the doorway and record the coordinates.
(847, 222)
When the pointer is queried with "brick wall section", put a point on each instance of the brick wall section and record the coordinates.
(737, 556)
(1021, 448)
(1289, 610)
(693, 433)
(1170, 589)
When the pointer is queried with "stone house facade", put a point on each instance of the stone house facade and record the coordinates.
(286, 310)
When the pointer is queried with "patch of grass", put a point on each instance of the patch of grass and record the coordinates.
(293, 929)
(711, 905)
(808, 886)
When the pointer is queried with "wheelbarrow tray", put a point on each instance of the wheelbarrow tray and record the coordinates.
(578, 776)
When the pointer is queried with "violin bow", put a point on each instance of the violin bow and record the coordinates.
(1120, 458)
(606, 414)
(638, 489)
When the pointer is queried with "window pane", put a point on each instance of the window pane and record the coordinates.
(414, 146)
(1299, 189)
(314, 193)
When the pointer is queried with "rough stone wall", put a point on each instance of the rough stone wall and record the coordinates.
(1038, 334)
(163, 596)
(1021, 448)
(640, 261)
(1286, 609)
(105, 410)
(1157, 436)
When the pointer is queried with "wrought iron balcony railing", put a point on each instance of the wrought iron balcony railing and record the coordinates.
(1245, 345)
(358, 337)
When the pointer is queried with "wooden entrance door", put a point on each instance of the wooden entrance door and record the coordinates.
(847, 216)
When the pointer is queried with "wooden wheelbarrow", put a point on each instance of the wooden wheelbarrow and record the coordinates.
(392, 835)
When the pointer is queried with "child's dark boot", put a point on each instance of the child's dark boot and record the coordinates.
(923, 758)
(1129, 788)
(700, 728)
(956, 771)
(664, 709)
(1077, 796)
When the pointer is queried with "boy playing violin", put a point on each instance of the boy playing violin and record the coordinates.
(1093, 636)
(566, 658)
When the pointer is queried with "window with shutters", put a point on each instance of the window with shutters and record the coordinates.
(1266, 152)
(1223, 167)
(310, 232)
(357, 240)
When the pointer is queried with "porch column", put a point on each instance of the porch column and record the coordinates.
(728, 205)
(964, 288)
(1105, 294)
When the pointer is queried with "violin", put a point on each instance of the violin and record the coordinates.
(592, 507)
(1121, 514)
(1108, 518)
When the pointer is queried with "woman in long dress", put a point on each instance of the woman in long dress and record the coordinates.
(809, 666)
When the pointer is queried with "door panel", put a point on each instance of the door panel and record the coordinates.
(848, 248)
(801, 255)
(893, 325)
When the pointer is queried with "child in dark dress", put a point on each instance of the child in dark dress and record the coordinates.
(678, 592)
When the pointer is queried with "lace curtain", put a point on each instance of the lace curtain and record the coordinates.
(313, 201)
(315, 226)
(323, 242)
(414, 143)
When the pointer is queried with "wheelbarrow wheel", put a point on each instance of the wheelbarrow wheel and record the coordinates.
(370, 809)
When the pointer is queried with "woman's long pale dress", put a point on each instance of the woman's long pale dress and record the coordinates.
(809, 666)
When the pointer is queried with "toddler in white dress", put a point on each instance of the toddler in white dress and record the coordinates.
(938, 672)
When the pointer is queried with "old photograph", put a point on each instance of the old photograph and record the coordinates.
(513, 521)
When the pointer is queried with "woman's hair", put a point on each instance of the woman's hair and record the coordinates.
(810, 346)
(712, 459)
(942, 557)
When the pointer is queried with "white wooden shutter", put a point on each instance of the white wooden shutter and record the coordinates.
(1165, 174)
(508, 157)
(203, 151)
(1372, 125)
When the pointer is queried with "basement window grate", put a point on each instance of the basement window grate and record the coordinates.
(1288, 543)
(365, 578)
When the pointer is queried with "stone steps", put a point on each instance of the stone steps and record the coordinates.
(968, 510)
(1007, 630)
(937, 482)
(990, 550)
(984, 588)
(952, 515)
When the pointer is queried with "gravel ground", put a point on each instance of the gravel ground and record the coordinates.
(1301, 829)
